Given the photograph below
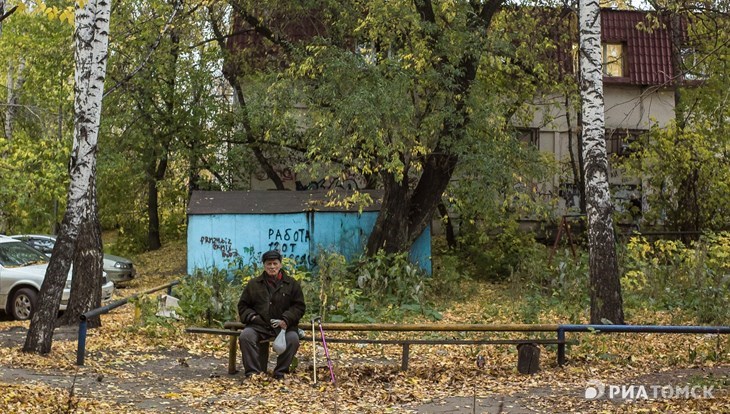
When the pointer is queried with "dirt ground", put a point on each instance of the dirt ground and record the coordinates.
(148, 383)
(161, 373)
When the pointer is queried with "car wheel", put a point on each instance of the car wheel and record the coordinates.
(23, 303)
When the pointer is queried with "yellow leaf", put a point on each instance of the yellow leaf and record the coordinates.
(171, 395)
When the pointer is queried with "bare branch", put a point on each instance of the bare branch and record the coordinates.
(8, 13)
(147, 58)
(262, 29)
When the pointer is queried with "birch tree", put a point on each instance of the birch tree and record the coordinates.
(91, 39)
(605, 287)
(16, 78)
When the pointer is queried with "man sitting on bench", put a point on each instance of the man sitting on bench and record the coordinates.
(273, 295)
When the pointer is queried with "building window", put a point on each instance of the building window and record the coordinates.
(618, 141)
(692, 64)
(613, 59)
(528, 136)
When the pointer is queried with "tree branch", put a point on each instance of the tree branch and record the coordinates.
(8, 13)
(147, 58)
(261, 29)
(241, 99)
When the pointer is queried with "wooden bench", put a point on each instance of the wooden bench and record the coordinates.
(528, 351)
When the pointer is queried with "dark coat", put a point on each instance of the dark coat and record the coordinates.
(286, 302)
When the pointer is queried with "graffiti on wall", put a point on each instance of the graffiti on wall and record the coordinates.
(219, 243)
(285, 173)
(351, 183)
(292, 243)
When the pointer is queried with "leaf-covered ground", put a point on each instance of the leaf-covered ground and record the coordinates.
(129, 370)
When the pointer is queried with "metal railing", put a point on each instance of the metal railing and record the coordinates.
(81, 344)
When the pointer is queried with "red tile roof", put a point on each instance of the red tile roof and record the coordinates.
(648, 55)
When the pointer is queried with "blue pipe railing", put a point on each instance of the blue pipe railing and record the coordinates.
(81, 344)
(665, 329)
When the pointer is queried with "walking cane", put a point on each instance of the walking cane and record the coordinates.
(314, 354)
(326, 351)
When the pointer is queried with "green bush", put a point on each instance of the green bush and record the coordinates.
(497, 252)
(146, 320)
(447, 280)
(332, 292)
(392, 278)
(384, 287)
(666, 274)
(209, 297)
(659, 275)
(560, 282)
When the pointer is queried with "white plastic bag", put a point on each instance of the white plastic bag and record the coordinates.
(280, 342)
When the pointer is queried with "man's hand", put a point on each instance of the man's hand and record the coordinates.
(278, 323)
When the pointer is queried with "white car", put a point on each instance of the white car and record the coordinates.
(22, 270)
(118, 269)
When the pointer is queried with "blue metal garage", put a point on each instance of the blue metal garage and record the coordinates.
(225, 225)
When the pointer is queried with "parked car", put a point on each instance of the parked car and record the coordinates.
(22, 270)
(118, 269)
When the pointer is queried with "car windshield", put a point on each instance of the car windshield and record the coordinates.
(16, 254)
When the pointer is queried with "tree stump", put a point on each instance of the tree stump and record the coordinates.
(528, 358)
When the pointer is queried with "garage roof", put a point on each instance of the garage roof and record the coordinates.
(273, 202)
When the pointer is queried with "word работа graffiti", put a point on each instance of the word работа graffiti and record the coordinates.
(292, 243)
(289, 235)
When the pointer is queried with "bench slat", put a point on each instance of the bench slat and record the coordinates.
(445, 341)
(424, 327)
(233, 328)
(229, 332)
(212, 331)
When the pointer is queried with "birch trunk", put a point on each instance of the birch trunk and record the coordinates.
(16, 78)
(87, 271)
(91, 43)
(605, 287)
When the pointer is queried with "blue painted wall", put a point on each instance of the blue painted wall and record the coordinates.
(215, 239)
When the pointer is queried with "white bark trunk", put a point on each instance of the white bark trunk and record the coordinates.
(16, 78)
(91, 46)
(606, 301)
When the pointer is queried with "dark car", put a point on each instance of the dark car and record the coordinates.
(118, 269)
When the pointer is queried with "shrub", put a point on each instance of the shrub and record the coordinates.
(209, 297)
(666, 274)
(497, 253)
(561, 282)
(332, 291)
(146, 319)
(447, 280)
(383, 287)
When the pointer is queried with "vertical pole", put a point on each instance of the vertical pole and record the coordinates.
(232, 342)
(561, 347)
(314, 355)
(557, 240)
(81, 344)
(405, 357)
